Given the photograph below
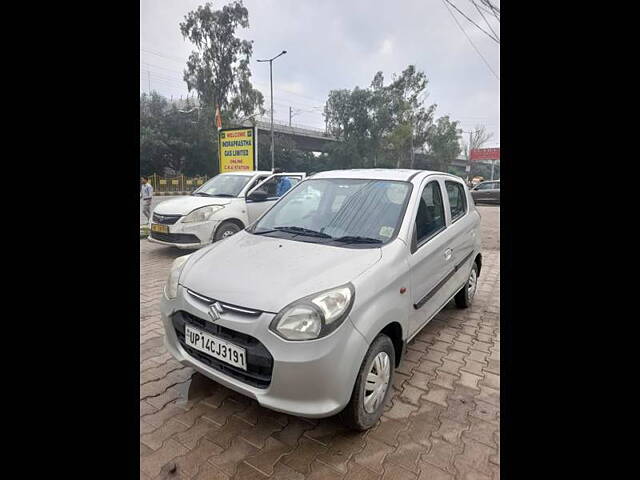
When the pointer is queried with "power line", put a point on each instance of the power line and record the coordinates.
(163, 68)
(484, 18)
(183, 62)
(174, 59)
(465, 16)
(470, 41)
(495, 11)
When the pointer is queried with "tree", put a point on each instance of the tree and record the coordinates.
(172, 142)
(218, 70)
(378, 125)
(478, 138)
(443, 143)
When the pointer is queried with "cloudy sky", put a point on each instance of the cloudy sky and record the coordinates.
(340, 44)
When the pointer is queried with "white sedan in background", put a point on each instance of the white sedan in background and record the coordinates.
(224, 205)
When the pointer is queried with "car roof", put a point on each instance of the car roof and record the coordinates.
(376, 173)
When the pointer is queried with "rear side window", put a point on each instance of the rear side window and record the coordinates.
(430, 217)
(457, 199)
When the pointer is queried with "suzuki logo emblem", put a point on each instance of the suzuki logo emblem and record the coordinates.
(215, 310)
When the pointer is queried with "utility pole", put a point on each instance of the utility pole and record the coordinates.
(271, 82)
(469, 154)
(289, 115)
(149, 80)
(412, 150)
(469, 159)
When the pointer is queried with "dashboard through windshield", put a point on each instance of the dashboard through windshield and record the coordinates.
(339, 212)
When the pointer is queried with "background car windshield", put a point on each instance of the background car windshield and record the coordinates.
(226, 185)
(341, 208)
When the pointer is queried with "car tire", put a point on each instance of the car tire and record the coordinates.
(226, 229)
(465, 296)
(356, 415)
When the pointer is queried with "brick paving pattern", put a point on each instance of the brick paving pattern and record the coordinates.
(441, 422)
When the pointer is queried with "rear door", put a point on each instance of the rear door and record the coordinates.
(462, 223)
(275, 186)
(431, 257)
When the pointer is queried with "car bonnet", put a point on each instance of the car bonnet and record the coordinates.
(187, 204)
(267, 273)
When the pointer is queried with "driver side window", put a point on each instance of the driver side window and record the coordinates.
(256, 182)
(430, 217)
(278, 186)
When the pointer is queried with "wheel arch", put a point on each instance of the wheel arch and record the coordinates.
(478, 261)
(394, 331)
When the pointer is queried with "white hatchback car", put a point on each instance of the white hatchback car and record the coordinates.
(310, 308)
(224, 205)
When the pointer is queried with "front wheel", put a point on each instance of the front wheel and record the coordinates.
(464, 297)
(226, 229)
(373, 385)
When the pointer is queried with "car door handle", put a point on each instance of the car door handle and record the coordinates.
(447, 254)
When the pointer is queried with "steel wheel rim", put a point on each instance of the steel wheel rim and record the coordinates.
(227, 233)
(473, 282)
(377, 382)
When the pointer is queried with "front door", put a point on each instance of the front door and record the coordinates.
(271, 189)
(431, 260)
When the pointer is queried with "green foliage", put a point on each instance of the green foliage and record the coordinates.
(379, 125)
(444, 143)
(174, 142)
(218, 70)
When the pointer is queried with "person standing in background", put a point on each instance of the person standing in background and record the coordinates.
(283, 185)
(146, 194)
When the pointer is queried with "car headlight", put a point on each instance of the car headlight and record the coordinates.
(202, 214)
(171, 288)
(314, 316)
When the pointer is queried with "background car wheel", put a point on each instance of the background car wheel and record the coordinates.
(226, 229)
(373, 384)
(465, 296)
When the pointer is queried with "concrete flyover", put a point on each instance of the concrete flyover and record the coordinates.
(306, 138)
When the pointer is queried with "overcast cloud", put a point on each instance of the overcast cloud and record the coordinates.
(340, 44)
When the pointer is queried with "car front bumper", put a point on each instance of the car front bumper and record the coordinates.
(311, 379)
(186, 236)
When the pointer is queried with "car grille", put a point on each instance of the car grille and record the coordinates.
(174, 237)
(165, 219)
(225, 306)
(259, 360)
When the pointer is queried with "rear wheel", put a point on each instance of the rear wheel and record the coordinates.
(464, 297)
(226, 229)
(373, 385)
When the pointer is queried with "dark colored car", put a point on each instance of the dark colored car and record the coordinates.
(487, 192)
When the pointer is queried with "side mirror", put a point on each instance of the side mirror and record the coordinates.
(258, 196)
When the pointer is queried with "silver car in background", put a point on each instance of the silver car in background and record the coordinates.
(310, 308)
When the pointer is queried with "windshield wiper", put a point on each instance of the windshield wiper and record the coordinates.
(222, 195)
(303, 231)
(201, 193)
(357, 239)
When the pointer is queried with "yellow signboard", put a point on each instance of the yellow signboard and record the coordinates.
(237, 147)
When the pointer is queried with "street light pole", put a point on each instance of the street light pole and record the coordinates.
(271, 82)
(469, 155)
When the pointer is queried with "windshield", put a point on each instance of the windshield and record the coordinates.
(223, 186)
(338, 211)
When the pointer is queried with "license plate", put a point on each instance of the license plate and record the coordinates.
(216, 347)
(159, 228)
